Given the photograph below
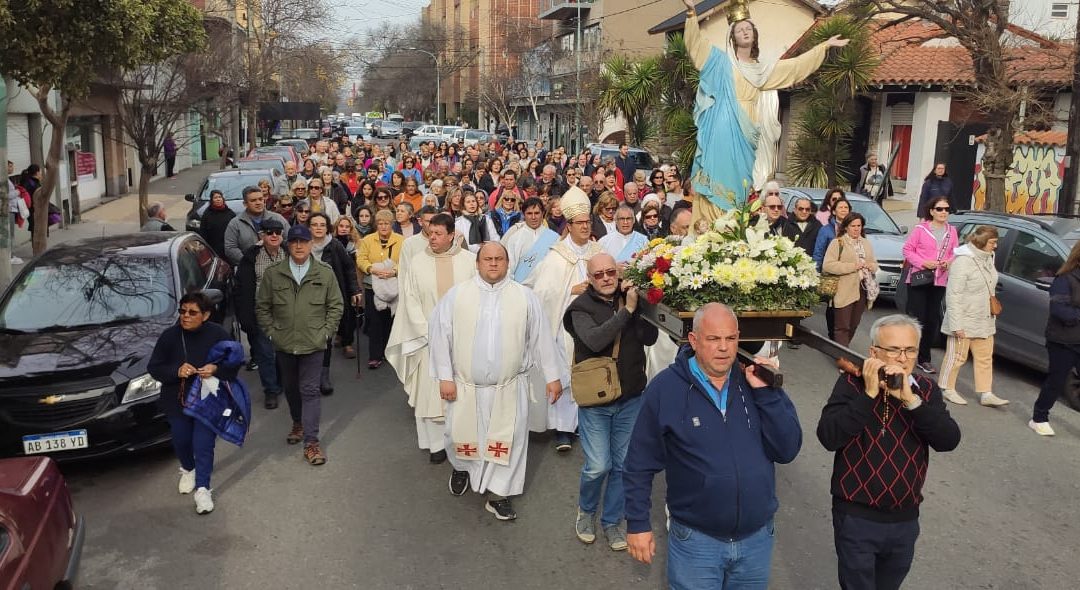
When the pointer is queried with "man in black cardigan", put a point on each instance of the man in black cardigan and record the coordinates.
(882, 437)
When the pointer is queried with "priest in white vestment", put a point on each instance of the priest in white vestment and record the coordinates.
(624, 242)
(556, 281)
(415, 243)
(427, 278)
(485, 334)
(528, 242)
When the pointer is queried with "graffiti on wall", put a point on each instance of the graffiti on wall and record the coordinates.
(1033, 183)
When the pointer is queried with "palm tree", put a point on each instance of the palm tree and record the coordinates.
(819, 156)
(628, 88)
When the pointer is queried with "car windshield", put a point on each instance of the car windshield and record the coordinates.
(231, 185)
(261, 164)
(307, 133)
(110, 289)
(877, 220)
(477, 134)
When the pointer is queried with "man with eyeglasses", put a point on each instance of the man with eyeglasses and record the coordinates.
(882, 437)
(549, 178)
(624, 242)
(559, 278)
(243, 231)
(803, 227)
(572, 175)
(604, 314)
(249, 275)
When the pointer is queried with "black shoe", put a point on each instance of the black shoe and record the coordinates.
(438, 458)
(563, 442)
(927, 368)
(502, 509)
(794, 345)
(271, 402)
(252, 365)
(459, 482)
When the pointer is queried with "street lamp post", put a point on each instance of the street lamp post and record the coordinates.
(438, 83)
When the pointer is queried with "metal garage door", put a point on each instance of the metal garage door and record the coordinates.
(18, 141)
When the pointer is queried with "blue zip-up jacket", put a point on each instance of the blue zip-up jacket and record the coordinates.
(720, 471)
(824, 237)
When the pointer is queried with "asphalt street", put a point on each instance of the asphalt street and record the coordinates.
(998, 512)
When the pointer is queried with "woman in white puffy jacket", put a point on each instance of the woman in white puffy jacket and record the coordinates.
(968, 323)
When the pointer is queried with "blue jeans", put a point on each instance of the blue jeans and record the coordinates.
(194, 446)
(697, 561)
(605, 436)
(263, 353)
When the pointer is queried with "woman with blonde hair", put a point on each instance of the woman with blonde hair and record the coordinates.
(268, 193)
(371, 260)
(604, 215)
(969, 324)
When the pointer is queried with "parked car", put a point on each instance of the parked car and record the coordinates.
(643, 160)
(355, 132)
(435, 131)
(447, 132)
(78, 324)
(472, 136)
(1031, 248)
(387, 129)
(271, 163)
(300, 145)
(231, 183)
(310, 135)
(886, 237)
(41, 535)
(398, 117)
(408, 128)
(286, 152)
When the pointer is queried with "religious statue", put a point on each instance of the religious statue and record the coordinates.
(737, 110)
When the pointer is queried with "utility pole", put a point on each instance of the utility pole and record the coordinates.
(577, 84)
(1067, 198)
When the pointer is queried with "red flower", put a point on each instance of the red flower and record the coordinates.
(654, 295)
(663, 264)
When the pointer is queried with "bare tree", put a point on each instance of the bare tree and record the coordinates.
(980, 27)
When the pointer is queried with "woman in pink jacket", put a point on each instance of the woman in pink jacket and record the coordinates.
(929, 247)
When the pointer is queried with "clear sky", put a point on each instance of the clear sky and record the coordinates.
(359, 16)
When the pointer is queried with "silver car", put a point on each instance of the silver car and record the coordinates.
(886, 237)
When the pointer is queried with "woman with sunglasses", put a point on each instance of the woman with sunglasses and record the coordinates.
(604, 215)
(656, 182)
(179, 356)
(383, 199)
(318, 202)
(824, 213)
(650, 224)
(376, 249)
(409, 169)
(301, 213)
(929, 247)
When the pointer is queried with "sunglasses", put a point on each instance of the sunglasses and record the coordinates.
(314, 186)
(774, 207)
(610, 209)
(609, 273)
(945, 209)
(190, 312)
(803, 209)
(508, 200)
(303, 210)
(652, 216)
(272, 232)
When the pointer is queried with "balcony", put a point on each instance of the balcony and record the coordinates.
(563, 9)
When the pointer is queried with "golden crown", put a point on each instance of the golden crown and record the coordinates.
(737, 10)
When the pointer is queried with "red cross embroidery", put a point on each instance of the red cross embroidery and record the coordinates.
(467, 450)
(498, 449)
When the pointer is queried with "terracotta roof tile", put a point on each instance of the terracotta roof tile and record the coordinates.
(1035, 138)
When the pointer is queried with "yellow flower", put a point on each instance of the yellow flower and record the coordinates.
(658, 280)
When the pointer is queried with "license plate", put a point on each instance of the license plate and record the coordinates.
(894, 280)
(55, 441)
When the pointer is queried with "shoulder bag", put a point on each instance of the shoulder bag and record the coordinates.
(829, 283)
(995, 303)
(595, 381)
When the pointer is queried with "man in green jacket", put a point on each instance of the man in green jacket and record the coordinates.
(298, 306)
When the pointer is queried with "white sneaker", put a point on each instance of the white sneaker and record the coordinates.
(16, 260)
(187, 481)
(204, 501)
(952, 396)
(1041, 428)
(992, 401)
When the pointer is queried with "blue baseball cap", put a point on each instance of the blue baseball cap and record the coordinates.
(299, 232)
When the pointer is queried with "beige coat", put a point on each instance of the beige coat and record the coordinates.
(972, 280)
(844, 263)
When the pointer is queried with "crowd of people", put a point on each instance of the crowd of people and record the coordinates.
(490, 278)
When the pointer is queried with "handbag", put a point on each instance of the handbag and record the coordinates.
(926, 276)
(595, 381)
(829, 283)
(995, 303)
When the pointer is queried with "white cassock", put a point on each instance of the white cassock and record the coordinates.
(622, 247)
(410, 247)
(558, 272)
(485, 338)
(425, 280)
(660, 355)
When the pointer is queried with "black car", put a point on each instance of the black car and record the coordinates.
(408, 128)
(231, 183)
(77, 326)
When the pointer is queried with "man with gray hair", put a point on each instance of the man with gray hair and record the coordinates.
(882, 430)
(718, 430)
(243, 230)
(157, 220)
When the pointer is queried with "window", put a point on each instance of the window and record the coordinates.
(566, 43)
(1031, 258)
(1059, 10)
(194, 261)
(590, 38)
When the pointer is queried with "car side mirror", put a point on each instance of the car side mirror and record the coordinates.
(190, 197)
(903, 229)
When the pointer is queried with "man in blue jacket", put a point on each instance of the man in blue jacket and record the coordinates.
(717, 432)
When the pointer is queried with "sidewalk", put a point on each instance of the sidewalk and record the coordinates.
(121, 215)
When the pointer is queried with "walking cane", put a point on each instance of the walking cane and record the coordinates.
(359, 311)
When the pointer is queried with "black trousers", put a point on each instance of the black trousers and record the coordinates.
(872, 555)
(924, 304)
(1062, 361)
(170, 165)
(378, 325)
(347, 326)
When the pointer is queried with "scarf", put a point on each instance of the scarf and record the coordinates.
(217, 208)
(478, 229)
(557, 224)
(866, 276)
